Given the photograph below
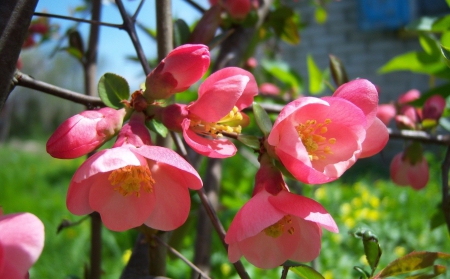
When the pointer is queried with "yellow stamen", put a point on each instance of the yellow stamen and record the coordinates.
(277, 229)
(224, 125)
(130, 179)
(316, 145)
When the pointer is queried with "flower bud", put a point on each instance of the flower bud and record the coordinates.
(134, 132)
(386, 112)
(268, 88)
(433, 107)
(206, 28)
(409, 96)
(84, 132)
(183, 66)
(172, 116)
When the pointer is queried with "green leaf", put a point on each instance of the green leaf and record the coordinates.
(74, 52)
(338, 70)
(364, 274)
(446, 53)
(316, 84)
(448, 2)
(441, 24)
(422, 24)
(181, 32)
(418, 62)
(411, 262)
(321, 15)
(429, 44)
(113, 89)
(284, 23)
(306, 272)
(283, 72)
(262, 119)
(250, 141)
(157, 127)
(373, 252)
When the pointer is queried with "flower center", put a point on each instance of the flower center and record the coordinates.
(228, 124)
(130, 179)
(316, 145)
(277, 229)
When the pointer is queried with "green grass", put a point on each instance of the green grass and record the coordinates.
(34, 182)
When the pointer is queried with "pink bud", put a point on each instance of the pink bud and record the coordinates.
(184, 66)
(409, 96)
(251, 63)
(433, 107)
(172, 116)
(206, 28)
(410, 167)
(238, 9)
(269, 89)
(84, 132)
(386, 112)
(40, 28)
(134, 132)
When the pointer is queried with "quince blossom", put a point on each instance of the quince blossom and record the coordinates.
(134, 183)
(182, 67)
(217, 110)
(84, 132)
(318, 139)
(410, 168)
(275, 225)
(21, 243)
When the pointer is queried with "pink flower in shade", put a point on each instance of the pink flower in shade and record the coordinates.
(408, 118)
(268, 88)
(386, 113)
(217, 110)
(182, 67)
(84, 132)
(21, 243)
(409, 96)
(318, 139)
(133, 184)
(275, 225)
(410, 168)
(433, 107)
(237, 9)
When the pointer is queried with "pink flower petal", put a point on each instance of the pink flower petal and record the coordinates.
(304, 208)
(172, 199)
(77, 200)
(376, 139)
(418, 175)
(265, 251)
(213, 148)
(219, 97)
(309, 235)
(173, 164)
(120, 212)
(256, 215)
(104, 161)
(386, 112)
(399, 171)
(362, 93)
(234, 252)
(22, 241)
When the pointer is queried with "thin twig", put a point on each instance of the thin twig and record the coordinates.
(285, 271)
(138, 10)
(94, 22)
(179, 255)
(24, 80)
(421, 136)
(128, 25)
(445, 190)
(196, 6)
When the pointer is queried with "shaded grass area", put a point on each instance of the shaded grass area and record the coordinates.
(32, 181)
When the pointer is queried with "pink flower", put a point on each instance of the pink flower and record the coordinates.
(275, 225)
(386, 112)
(409, 96)
(182, 67)
(132, 185)
(433, 107)
(268, 88)
(318, 139)
(217, 110)
(84, 132)
(237, 9)
(21, 243)
(408, 118)
(410, 168)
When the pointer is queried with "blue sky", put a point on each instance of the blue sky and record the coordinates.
(115, 44)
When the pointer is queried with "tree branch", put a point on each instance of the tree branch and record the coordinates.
(445, 189)
(196, 6)
(93, 22)
(15, 18)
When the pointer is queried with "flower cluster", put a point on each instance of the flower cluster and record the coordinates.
(410, 167)
(135, 182)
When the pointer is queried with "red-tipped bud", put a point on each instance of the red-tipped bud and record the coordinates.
(269, 89)
(206, 28)
(386, 112)
(238, 9)
(84, 132)
(251, 63)
(184, 66)
(410, 167)
(409, 96)
(433, 107)
(134, 132)
(268, 177)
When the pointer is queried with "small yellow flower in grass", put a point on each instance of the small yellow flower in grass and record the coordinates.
(336, 238)
(363, 260)
(320, 193)
(349, 222)
(400, 251)
(346, 209)
(126, 256)
(225, 269)
(374, 201)
(356, 202)
(373, 215)
(328, 275)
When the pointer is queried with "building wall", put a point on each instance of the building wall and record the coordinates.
(362, 52)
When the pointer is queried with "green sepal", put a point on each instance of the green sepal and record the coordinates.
(250, 141)
(338, 70)
(157, 127)
(113, 89)
(262, 119)
(181, 32)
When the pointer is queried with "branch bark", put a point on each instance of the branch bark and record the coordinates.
(15, 18)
